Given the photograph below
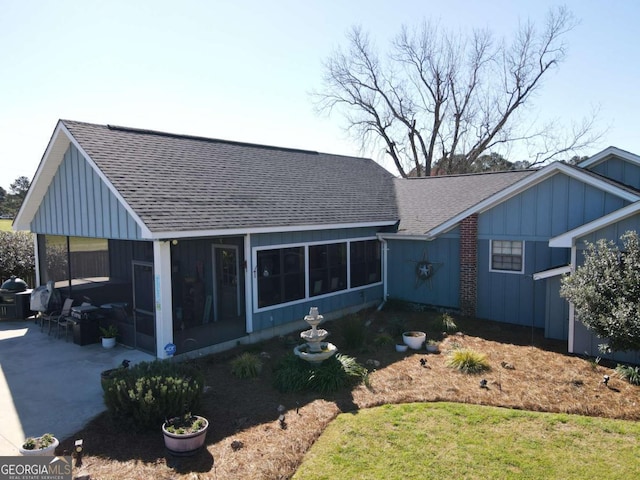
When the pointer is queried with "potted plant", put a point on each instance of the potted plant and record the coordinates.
(41, 446)
(105, 375)
(414, 339)
(433, 346)
(185, 435)
(109, 335)
(401, 347)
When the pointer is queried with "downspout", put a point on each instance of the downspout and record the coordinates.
(36, 255)
(385, 293)
(248, 283)
(574, 255)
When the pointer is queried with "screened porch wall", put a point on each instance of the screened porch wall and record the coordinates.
(331, 304)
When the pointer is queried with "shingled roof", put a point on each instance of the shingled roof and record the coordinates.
(427, 202)
(184, 183)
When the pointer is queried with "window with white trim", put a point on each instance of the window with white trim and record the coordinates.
(293, 273)
(507, 256)
(365, 263)
(280, 273)
(327, 268)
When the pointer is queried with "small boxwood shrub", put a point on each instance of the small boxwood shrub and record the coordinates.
(145, 395)
(468, 361)
(246, 365)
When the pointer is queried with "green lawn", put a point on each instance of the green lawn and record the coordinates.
(447, 440)
(5, 225)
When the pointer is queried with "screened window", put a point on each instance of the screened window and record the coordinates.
(327, 268)
(507, 255)
(365, 263)
(281, 276)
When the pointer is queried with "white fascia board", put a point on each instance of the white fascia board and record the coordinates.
(554, 272)
(170, 235)
(144, 231)
(47, 168)
(567, 239)
(528, 182)
(601, 156)
(403, 236)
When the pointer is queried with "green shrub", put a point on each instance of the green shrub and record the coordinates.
(17, 255)
(397, 325)
(291, 374)
(629, 373)
(144, 396)
(468, 361)
(295, 375)
(354, 332)
(383, 340)
(246, 365)
(447, 322)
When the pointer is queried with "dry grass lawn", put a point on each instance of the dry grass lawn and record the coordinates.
(246, 440)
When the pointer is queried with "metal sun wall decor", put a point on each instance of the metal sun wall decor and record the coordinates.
(425, 270)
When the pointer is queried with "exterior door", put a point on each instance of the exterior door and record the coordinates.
(226, 290)
(144, 319)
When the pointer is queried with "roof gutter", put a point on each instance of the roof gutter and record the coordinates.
(171, 235)
(405, 236)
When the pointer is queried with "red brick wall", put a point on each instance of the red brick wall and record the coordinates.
(468, 264)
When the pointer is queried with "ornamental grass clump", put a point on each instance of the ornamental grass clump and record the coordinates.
(629, 373)
(340, 371)
(447, 323)
(246, 365)
(468, 361)
(143, 396)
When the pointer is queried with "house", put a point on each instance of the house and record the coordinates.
(207, 242)
(211, 242)
(495, 246)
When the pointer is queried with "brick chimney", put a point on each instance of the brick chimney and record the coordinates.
(468, 265)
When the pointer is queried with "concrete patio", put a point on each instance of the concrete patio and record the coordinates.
(48, 384)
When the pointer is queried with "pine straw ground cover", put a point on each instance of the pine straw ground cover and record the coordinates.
(247, 441)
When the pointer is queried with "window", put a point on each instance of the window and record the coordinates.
(299, 272)
(365, 263)
(280, 275)
(327, 268)
(507, 255)
(73, 261)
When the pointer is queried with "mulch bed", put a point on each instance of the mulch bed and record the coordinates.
(247, 441)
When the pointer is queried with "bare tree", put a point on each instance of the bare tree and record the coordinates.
(446, 98)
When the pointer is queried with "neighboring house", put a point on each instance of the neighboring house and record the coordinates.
(211, 242)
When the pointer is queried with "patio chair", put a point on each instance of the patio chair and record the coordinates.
(67, 323)
(58, 316)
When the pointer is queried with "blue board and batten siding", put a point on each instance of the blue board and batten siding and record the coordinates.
(335, 302)
(584, 340)
(620, 170)
(443, 288)
(547, 209)
(79, 204)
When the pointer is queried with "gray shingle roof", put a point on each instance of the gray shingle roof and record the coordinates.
(179, 183)
(425, 203)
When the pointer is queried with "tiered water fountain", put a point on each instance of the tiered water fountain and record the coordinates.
(315, 350)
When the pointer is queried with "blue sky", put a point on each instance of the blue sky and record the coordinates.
(243, 70)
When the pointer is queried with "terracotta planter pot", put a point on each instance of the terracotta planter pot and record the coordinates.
(187, 444)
